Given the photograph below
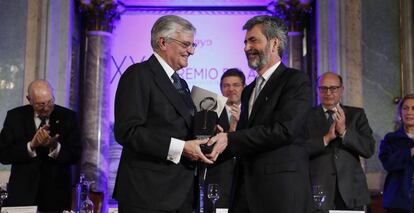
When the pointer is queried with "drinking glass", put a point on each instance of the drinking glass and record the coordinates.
(319, 196)
(3, 193)
(213, 193)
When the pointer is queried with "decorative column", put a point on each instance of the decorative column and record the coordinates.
(99, 15)
(294, 13)
(407, 46)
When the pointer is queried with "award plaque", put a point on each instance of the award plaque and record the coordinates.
(205, 122)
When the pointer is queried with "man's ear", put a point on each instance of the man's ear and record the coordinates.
(28, 98)
(162, 43)
(276, 44)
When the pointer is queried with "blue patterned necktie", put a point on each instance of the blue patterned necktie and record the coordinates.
(177, 84)
(330, 116)
(181, 87)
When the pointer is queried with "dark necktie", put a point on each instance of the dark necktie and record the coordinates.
(181, 87)
(330, 116)
(259, 85)
(42, 121)
(42, 151)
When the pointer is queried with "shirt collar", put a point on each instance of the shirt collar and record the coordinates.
(266, 75)
(167, 68)
(334, 109)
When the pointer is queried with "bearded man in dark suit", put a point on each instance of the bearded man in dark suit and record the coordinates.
(153, 123)
(339, 136)
(272, 162)
(41, 142)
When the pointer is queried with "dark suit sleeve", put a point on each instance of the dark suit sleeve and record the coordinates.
(12, 150)
(315, 145)
(359, 138)
(132, 108)
(71, 145)
(392, 156)
(282, 120)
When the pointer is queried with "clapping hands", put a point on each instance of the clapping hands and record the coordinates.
(43, 138)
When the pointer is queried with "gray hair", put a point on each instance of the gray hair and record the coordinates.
(168, 26)
(272, 28)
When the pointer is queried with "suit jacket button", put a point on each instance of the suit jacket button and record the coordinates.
(336, 157)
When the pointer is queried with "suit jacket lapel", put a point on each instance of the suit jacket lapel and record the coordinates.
(321, 119)
(224, 120)
(29, 123)
(54, 122)
(267, 90)
(164, 83)
(244, 113)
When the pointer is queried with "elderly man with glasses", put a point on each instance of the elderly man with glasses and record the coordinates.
(41, 142)
(153, 123)
(339, 136)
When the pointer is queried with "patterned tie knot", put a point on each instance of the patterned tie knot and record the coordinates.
(42, 121)
(175, 77)
(177, 83)
(330, 116)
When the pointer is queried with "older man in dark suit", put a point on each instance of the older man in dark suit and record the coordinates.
(153, 123)
(41, 141)
(272, 161)
(339, 136)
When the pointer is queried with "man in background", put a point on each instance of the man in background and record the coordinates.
(153, 123)
(231, 85)
(339, 136)
(41, 142)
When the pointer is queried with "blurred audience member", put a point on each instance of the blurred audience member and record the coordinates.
(41, 141)
(339, 136)
(396, 154)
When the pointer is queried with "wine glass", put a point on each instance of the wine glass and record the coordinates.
(319, 196)
(213, 193)
(3, 193)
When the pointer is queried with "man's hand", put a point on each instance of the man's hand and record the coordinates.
(40, 138)
(192, 151)
(340, 120)
(330, 135)
(235, 117)
(51, 142)
(220, 141)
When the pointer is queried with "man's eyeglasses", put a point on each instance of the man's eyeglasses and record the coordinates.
(44, 104)
(235, 85)
(325, 89)
(185, 44)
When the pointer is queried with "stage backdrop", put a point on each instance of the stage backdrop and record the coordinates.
(220, 43)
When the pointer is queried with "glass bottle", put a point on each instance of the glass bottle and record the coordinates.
(86, 205)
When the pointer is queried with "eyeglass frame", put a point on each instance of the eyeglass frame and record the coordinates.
(325, 89)
(184, 44)
(235, 85)
(50, 102)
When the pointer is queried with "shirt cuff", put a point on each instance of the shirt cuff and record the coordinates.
(32, 153)
(55, 153)
(343, 134)
(175, 150)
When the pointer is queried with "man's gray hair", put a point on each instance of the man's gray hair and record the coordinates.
(169, 26)
(272, 28)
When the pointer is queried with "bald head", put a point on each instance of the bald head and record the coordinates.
(330, 89)
(40, 96)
